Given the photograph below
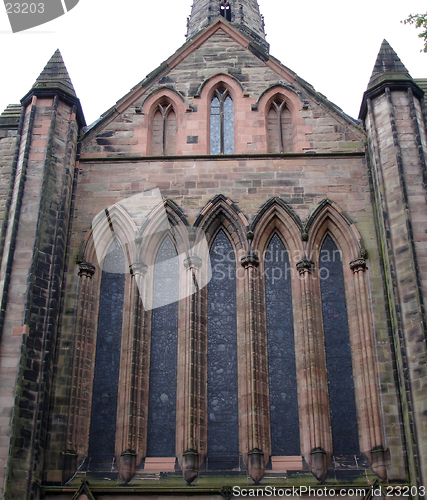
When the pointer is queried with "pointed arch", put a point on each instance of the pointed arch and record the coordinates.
(112, 223)
(275, 215)
(213, 80)
(164, 110)
(286, 105)
(330, 218)
(166, 218)
(222, 212)
(221, 97)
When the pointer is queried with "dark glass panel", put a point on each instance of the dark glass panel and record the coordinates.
(223, 421)
(338, 353)
(281, 351)
(107, 360)
(163, 357)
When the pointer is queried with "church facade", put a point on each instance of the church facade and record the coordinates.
(221, 283)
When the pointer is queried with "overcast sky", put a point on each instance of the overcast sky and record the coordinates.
(110, 46)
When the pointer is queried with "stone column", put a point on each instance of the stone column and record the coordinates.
(311, 367)
(366, 381)
(130, 447)
(255, 443)
(84, 355)
(191, 404)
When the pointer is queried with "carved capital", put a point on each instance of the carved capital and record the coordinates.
(138, 269)
(358, 265)
(250, 260)
(305, 266)
(86, 269)
(193, 262)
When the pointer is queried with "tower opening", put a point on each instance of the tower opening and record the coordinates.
(225, 9)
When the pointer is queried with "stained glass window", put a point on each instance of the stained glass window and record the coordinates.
(163, 356)
(223, 421)
(281, 351)
(222, 124)
(107, 358)
(338, 352)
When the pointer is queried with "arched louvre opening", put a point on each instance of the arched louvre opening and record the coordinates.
(107, 359)
(222, 123)
(345, 440)
(279, 128)
(284, 423)
(163, 132)
(223, 420)
(163, 354)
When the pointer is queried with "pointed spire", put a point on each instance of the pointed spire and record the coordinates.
(389, 72)
(388, 67)
(243, 15)
(55, 76)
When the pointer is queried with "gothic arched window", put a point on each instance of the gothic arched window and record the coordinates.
(102, 433)
(281, 351)
(342, 401)
(222, 123)
(163, 356)
(279, 128)
(223, 420)
(164, 130)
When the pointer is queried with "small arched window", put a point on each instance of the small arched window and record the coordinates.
(222, 123)
(164, 130)
(279, 128)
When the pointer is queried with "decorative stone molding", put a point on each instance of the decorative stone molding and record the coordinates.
(79, 408)
(316, 441)
(255, 444)
(305, 266)
(191, 411)
(86, 269)
(358, 264)
(193, 262)
(369, 419)
(133, 382)
(249, 260)
(138, 269)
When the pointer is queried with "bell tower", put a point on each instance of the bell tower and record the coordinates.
(245, 16)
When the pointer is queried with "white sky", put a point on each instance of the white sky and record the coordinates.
(110, 46)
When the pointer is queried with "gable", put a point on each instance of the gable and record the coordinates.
(221, 50)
